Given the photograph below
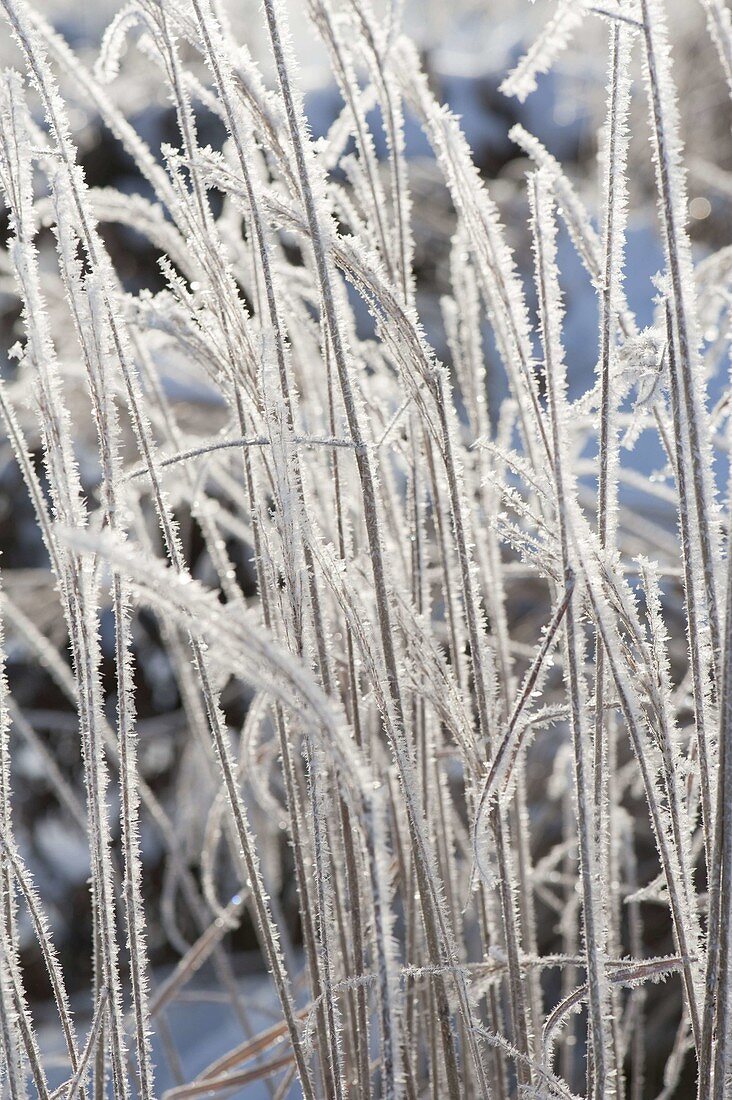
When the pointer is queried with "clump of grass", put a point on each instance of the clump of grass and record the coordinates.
(398, 710)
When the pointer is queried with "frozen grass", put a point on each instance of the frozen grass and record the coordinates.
(396, 524)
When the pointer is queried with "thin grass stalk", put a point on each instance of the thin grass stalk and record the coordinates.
(244, 837)
(80, 610)
(474, 617)
(379, 59)
(720, 29)
(637, 1002)
(428, 898)
(495, 266)
(615, 201)
(16, 1025)
(93, 339)
(717, 1040)
(45, 942)
(673, 874)
(603, 1073)
(215, 58)
(691, 447)
(54, 553)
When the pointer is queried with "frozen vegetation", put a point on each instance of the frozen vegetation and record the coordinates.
(366, 595)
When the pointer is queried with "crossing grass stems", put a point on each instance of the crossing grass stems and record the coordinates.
(390, 515)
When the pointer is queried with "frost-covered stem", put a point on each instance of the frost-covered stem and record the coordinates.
(672, 872)
(577, 220)
(498, 278)
(691, 587)
(200, 228)
(453, 583)
(323, 916)
(716, 1062)
(10, 1043)
(680, 829)
(464, 326)
(93, 1038)
(720, 998)
(82, 609)
(637, 1004)
(17, 1022)
(507, 751)
(71, 591)
(215, 55)
(615, 199)
(293, 798)
(9, 854)
(292, 791)
(86, 664)
(570, 920)
(184, 113)
(388, 1017)
(450, 587)
(474, 616)
(492, 586)
(424, 742)
(353, 887)
(719, 22)
(544, 228)
(132, 886)
(200, 508)
(84, 301)
(96, 95)
(194, 902)
(93, 337)
(348, 84)
(539, 58)
(67, 188)
(15, 1026)
(354, 915)
(67, 573)
(267, 928)
(206, 26)
(430, 903)
(24, 1021)
(188, 133)
(415, 532)
(692, 447)
(393, 125)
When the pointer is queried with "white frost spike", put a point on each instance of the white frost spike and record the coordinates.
(552, 40)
